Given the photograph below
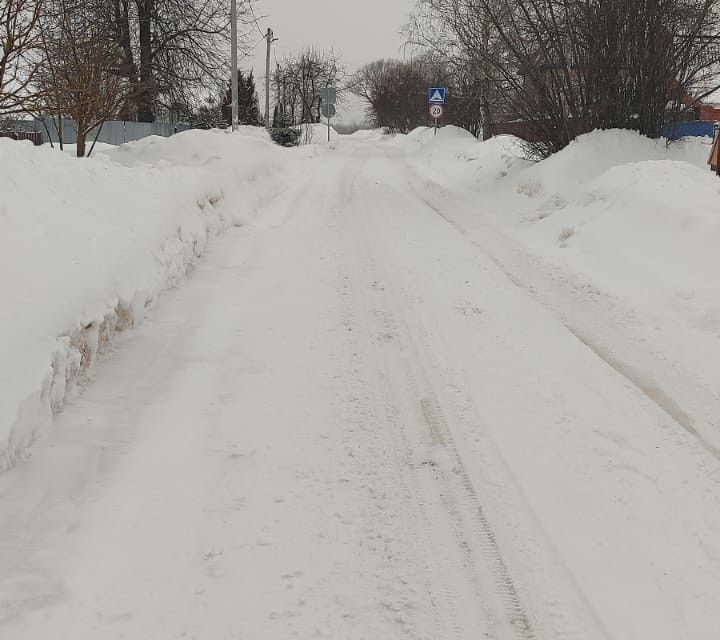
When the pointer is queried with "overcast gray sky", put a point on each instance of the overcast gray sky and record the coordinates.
(360, 31)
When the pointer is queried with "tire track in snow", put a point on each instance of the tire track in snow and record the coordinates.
(649, 388)
(488, 544)
(414, 467)
(474, 536)
(548, 595)
(384, 407)
(506, 496)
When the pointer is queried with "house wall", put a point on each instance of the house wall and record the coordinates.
(709, 113)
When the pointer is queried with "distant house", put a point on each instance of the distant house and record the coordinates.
(704, 114)
(708, 111)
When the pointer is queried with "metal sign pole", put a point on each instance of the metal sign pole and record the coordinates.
(328, 98)
(436, 100)
(270, 40)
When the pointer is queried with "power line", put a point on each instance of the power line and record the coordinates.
(255, 20)
(252, 49)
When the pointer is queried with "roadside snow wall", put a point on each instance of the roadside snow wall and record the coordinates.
(86, 247)
(633, 222)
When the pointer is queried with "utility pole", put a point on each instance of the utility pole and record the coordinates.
(234, 63)
(270, 40)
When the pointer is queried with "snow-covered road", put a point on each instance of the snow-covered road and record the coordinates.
(351, 422)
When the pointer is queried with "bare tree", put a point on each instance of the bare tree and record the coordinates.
(564, 67)
(455, 31)
(298, 80)
(173, 49)
(395, 92)
(18, 53)
(81, 76)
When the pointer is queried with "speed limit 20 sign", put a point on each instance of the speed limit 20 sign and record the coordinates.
(436, 111)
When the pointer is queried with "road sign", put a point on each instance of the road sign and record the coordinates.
(436, 95)
(436, 111)
(328, 98)
(328, 95)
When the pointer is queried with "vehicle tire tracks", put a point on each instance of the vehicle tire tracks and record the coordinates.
(653, 391)
(474, 537)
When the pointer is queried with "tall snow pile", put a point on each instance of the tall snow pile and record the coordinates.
(462, 159)
(459, 158)
(316, 134)
(641, 222)
(633, 220)
(636, 215)
(87, 246)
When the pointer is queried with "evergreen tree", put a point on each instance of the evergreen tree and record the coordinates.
(209, 115)
(248, 105)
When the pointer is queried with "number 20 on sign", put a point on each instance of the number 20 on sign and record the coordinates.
(436, 111)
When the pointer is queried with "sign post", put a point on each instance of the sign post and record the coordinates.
(436, 112)
(328, 99)
(436, 100)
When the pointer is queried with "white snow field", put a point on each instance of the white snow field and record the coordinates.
(421, 388)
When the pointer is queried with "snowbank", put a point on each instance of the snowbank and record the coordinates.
(637, 216)
(214, 150)
(88, 245)
(428, 135)
(645, 231)
(593, 154)
(631, 222)
(621, 189)
(71, 149)
(368, 135)
(317, 134)
(460, 158)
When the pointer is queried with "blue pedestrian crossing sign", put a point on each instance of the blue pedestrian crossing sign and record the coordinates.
(436, 95)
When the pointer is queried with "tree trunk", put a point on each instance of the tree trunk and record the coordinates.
(145, 96)
(487, 119)
(61, 132)
(81, 136)
(129, 68)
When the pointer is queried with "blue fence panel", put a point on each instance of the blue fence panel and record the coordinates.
(696, 128)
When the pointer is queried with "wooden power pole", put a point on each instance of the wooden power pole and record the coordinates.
(270, 40)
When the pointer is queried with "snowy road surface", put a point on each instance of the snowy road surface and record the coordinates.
(349, 422)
